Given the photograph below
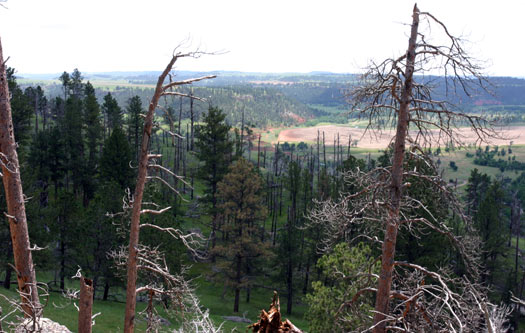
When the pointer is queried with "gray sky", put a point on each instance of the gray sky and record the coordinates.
(46, 36)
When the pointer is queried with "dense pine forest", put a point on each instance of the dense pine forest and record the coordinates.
(167, 203)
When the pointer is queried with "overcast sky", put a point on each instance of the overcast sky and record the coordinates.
(48, 36)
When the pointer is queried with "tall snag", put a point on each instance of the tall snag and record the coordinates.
(145, 158)
(400, 91)
(392, 222)
(16, 212)
(389, 91)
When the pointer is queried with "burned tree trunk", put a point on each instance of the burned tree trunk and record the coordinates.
(392, 223)
(144, 159)
(388, 90)
(85, 305)
(15, 201)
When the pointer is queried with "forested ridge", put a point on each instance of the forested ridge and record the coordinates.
(350, 239)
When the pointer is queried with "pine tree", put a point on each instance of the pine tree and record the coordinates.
(93, 130)
(214, 149)
(21, 111)
(135, 124)
(491, 225)
(76, 85)
(114, 163)
(112, 113)
(57, 158)
(242, 208)
(71, 128)
(66, 83)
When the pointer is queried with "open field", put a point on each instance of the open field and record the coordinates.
(382, 140)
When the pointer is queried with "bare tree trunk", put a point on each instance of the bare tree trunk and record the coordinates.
(392, 223)
(192, 116)
(149, 311)
(242, 131)
(349, 144)
(515, 221)
(106, 291)
(15, 200)
(131, 289)
(160, 90)
(324, 151)
(85, 305)
(258, 152)
(237, 288)
(318, 158)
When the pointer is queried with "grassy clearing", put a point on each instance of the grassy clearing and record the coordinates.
(466, 164)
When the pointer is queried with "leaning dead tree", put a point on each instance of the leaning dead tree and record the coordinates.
(16, 212)
(399, 92)
(147, 161)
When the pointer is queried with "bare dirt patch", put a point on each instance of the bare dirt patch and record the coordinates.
(516, 134)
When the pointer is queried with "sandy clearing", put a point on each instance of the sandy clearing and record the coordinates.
(309, 134)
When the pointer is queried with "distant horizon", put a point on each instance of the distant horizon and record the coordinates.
(315, 72)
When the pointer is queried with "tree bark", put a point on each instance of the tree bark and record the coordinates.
(392, 223)
(15, 200)
(85, 305)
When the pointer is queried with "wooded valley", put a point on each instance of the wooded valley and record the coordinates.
(168, 198)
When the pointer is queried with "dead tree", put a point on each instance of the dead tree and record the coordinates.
(85, 305)
(15, 199)
(147, 161)
(398, 91)
(420, 299)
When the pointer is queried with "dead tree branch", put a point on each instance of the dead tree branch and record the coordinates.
(133, 258)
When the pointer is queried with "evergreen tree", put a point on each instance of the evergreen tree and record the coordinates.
(57, 158)
(328, 301)
(214, 149)
(65, 216)
(490, 222)
(112, 112)
(76, 85)
(21, 109)
(477, 185)
(135, 123)
(93, 132)
(71, 128)
(66, 83)
(114, 163)
(241, 206)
